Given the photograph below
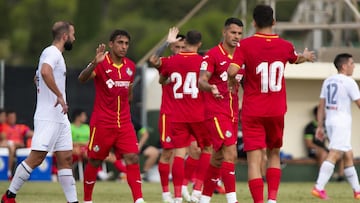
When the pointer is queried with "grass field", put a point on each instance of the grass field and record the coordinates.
(111, 191)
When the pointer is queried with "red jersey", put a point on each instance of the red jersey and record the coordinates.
(216, 61)
(112, 82)
(15, 133)
(264, 58)
(183, 71)
(165, 107)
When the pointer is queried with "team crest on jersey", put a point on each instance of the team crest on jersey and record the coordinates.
(96, 148)
(129, 71)
(168, 139)
(228, 134)
(204, 65)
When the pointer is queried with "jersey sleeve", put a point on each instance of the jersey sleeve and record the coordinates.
(208, 63)
(163, 69)
(50, 57)
(293, 56)
(354, 90)
(323, 91)
(239, 58)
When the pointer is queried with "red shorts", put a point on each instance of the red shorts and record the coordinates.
(223, 132)
(182, 133)
(262, 132)
(123, 140)
(165, 132)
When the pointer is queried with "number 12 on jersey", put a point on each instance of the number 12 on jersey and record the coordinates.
(271, 76)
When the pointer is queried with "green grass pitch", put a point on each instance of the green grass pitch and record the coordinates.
(112, 191)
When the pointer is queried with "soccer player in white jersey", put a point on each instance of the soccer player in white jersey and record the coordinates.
(51, 124)
(337, 93)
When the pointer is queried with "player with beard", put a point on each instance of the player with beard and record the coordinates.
(52, 131)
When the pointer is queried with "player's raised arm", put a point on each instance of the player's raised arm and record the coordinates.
(88, 73)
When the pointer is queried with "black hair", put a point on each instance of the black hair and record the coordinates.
(263, 16)
(60, 28)
(315, 110)
(76, 113)
(193, 37)
(182, 37)
(233, 20)
(341, 59)
(119, 32)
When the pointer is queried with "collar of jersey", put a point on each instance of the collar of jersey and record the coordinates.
(118, 66)
(187, 53)
(273, 36)
(223, 51)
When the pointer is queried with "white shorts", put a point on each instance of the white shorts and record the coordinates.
(339, 137)
(51, 136)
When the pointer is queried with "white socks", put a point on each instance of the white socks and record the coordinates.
(67, 182)
(21, 175)
(326, 170)
(352, 177)
(231, 197)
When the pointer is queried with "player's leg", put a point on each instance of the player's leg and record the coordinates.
(165, 156)
(212, 176)
(151, 154)
(204, 142)
(274, 127)
(181, 139)
(254, 141)
(98, 149)
(127, 146)
(22, 173)
(351, 174)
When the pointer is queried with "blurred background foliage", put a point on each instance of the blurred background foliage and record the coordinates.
(25, 25)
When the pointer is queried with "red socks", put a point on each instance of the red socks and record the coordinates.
(178, 175)
(228, 176)
(120, 166)
(273, 176)
(134, 180)
(90, 174)
(212, 176)
(256, 187)
(202, 167)
(164, 171)
(190, 168)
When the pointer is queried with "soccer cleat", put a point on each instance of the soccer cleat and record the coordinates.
(356, 195)
(185, 194)
(166, 196)
(195, 197)
(5, 199)
(321, 194)
(219, 190)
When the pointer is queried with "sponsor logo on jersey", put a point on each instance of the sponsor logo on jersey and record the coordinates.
(110, 83)
(108, 71)
(167, 139)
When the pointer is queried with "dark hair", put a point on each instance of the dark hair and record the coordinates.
(315, 110)
(263, 16)
(341, 59)
(76, 113)
(2, 110)
(233, 20)
(10, 111)
(193, 37)
(60, 28)
(182, 37)
(118, 32)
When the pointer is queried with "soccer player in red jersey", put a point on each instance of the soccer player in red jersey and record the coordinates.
(181, 72)
(110, 124)
(264, 56)
(176, 43)
(221, 111)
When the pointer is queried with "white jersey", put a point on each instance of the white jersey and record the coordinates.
(46, 99)
(339, 91)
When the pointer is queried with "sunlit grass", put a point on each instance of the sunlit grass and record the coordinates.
(112, 191)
